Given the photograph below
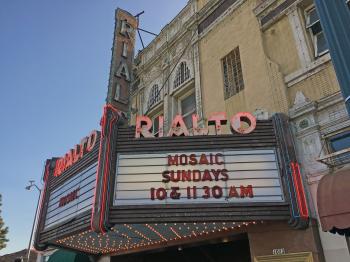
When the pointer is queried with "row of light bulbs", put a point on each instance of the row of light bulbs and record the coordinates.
(94, 243)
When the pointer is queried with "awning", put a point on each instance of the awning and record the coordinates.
(68, 256)
(333, 201)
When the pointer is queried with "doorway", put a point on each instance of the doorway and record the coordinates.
(223, 251)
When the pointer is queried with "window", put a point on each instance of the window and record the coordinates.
(155, 124)
(141, 104)
(340, 141)
(233, 76)
(338, 150)
(318, 38)
(135, 85)
(188, 107)
(154, 96)
(182, 74)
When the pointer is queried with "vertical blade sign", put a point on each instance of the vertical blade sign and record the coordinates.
(122, 59)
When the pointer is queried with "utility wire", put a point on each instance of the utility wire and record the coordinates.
(143, 30)
(177, 62)
(148, 32)
(138, 31)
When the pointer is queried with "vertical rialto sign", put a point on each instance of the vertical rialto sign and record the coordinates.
(122, 59)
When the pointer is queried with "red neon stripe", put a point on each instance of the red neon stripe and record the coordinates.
(103, 122)
(104, 189)
(104, 172)
(105, 177)
(304, 213)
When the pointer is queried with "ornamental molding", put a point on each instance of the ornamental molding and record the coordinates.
(308, 71)
(270, 11)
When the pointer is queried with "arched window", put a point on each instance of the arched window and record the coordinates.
(154, 96)
(182, 74)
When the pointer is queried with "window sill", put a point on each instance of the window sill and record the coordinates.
(338, 158)
(178, 91)
(313, 68)
(236, 94)
(155, 108)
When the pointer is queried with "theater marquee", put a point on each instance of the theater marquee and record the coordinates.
(222, 176)
(114, 185)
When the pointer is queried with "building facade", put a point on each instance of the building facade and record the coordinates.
(214, 144)
(257, 56)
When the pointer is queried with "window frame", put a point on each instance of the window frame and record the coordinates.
(240, 79)
(179, 105)
(331, 157)
(314, 37)
(142, 101)
(337, 136)
(154, 119)
(186, 76)
(151, 94)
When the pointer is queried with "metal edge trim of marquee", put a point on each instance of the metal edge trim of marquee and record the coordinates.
(49, 168)
(48, 186)
(292, 176)
(106, 167)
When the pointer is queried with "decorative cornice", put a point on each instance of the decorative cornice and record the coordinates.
(234, 6)
(311, 69)
(308, 107)
(165, 32)
(269, 11)
(161, 52)
(303, 109)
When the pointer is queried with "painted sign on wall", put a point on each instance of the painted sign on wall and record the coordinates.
(222, 176)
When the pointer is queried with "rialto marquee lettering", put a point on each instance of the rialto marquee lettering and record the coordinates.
(86, 145)
(242, 123)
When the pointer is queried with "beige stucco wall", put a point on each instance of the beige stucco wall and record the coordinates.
(280, 46)
(263, 239)
(264, 83)
(316, 86)
(267, 57)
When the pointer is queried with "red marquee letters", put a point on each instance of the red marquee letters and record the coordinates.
(179, 128)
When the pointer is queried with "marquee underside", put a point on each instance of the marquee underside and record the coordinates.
(132, 238)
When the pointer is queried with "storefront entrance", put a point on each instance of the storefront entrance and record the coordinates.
(218, 251)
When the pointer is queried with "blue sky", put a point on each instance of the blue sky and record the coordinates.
(54, 67)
